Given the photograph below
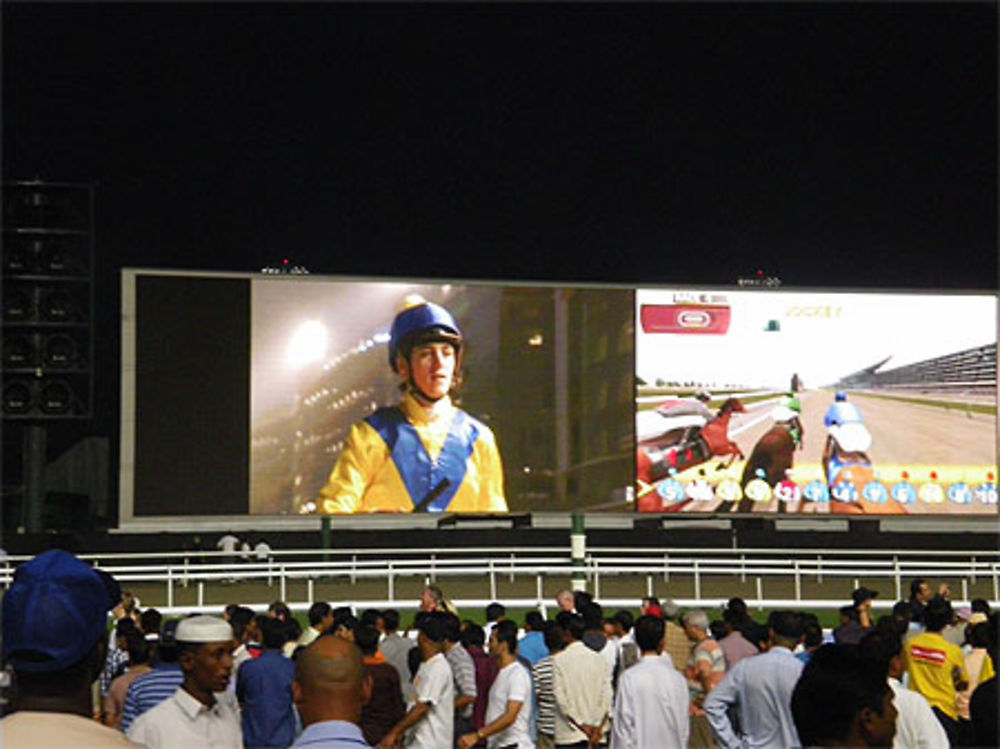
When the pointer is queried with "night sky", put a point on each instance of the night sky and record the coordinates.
(828, 144)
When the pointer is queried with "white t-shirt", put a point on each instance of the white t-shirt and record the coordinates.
(513, 684)
(916, 725)
(434, 684)
(610, 653)
(227, 543)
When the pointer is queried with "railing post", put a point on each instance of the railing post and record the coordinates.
(697, 581)
(392, 583)
(760, 594)
(897, 577)
(798, 582)
(973, 570)
(354, 568)
(649, 586)
(310, 590)
(325, 538)
(184, 579)
(433, 577)
(493, 582)
(578, 552)
(819, 569)
(512, 560)
(170, 587)
(666, 568)
(282, 583)
(996, 583)
(743, 568)
(201, 592)
(965, 589)
(539, 594)
(597, 583)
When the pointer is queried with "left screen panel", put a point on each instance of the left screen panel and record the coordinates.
(192, 356)
(240, 394)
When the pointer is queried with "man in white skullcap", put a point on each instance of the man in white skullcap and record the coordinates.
(201, 713)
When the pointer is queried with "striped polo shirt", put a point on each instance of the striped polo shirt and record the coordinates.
(544, 690)
(463, 671)
(149, 690)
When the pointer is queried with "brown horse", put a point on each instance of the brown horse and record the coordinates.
(715, 434)
(655, 462)
(772, 454)
(855, 467)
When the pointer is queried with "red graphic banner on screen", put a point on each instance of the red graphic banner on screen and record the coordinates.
(684, 318)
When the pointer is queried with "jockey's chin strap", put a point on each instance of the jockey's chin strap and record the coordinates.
(422, 397)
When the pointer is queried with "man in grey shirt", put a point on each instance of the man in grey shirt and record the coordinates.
(396, 648)
(463, 669)
(761, 687)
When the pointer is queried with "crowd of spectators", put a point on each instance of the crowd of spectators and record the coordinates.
(921, 676)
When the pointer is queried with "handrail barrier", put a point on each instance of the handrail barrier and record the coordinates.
(543, 606)
(523, 550)
(175, 569)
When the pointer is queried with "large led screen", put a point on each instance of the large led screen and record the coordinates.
(546, 390)
(240, 394)
(766, 401)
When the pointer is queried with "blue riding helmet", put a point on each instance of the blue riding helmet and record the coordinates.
(840, 396)
(426, 321)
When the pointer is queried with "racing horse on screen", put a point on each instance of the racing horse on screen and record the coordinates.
(848, 473)
(773, 454)
(658, 456)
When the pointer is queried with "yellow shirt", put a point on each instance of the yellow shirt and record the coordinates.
(372, 476)
(988, 671)
(931, 660)
(980, 668)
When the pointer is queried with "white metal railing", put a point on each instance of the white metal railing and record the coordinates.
(526, 551)
(175, 569)
(541, 605)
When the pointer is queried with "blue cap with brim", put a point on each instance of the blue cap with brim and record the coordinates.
(55, 611)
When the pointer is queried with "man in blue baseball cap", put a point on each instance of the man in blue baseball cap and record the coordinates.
(424, 454)
(55, 636)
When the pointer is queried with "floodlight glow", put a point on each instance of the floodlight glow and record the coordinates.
(308, 344)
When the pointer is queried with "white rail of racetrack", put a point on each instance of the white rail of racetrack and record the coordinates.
(185, 569)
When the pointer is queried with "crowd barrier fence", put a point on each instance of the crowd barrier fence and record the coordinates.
(281, 567)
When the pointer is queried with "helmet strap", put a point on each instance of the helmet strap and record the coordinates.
(419, 394)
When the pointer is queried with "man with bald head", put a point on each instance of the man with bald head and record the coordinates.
(329, 690)
(564, 600)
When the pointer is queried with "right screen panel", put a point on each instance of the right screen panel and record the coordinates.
(764, 401)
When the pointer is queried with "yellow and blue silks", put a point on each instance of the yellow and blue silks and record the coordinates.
(406, 457)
